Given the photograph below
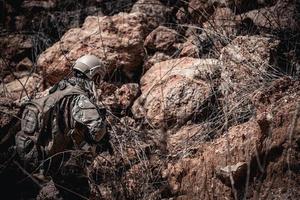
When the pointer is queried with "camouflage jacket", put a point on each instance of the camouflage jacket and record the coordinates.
(72, 121)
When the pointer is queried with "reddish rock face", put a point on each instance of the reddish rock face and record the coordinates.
(118, 40)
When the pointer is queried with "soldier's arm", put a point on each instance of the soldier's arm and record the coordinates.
(87, 114)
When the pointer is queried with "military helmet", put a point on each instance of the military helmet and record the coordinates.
(90, 66)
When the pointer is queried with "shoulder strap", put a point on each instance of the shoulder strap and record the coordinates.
(45, 104)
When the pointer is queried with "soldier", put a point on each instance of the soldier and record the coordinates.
(59, 132)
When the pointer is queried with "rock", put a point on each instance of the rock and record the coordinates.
(247, 145)
(201, 10)
(40, 4)
(237, 171)
(246, 63)
(222, 24)
(174, 90)
(209, 44)
(283, 15)
(185, 141)
(20, 22)
(16, 46)
(122, 97)
(175, 170)
(49, 192)
(190, 49)
(182, 16)
(156, 58)
(239, 144)
(119, 42)
(9, 122)
(161, 39)
(17, 89)
(154, 10)
(2, 65)
(25, 64)
(280, 100)
(241, 6)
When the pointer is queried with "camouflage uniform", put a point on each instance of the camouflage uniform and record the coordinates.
(63, 139)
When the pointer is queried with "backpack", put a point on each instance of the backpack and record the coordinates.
(37, 120)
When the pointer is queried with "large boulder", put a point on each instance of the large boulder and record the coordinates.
(174, 90)
(118, 40)
(247, 59)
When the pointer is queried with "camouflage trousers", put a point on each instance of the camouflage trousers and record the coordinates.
(70, 175)
(68, 169)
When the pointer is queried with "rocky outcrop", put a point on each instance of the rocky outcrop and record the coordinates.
(118, 40)
(246, 152)
(38, 24)
(237, 146)
(174, 90)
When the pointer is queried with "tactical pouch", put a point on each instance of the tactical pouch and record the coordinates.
(26, 149)
(29, 121)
